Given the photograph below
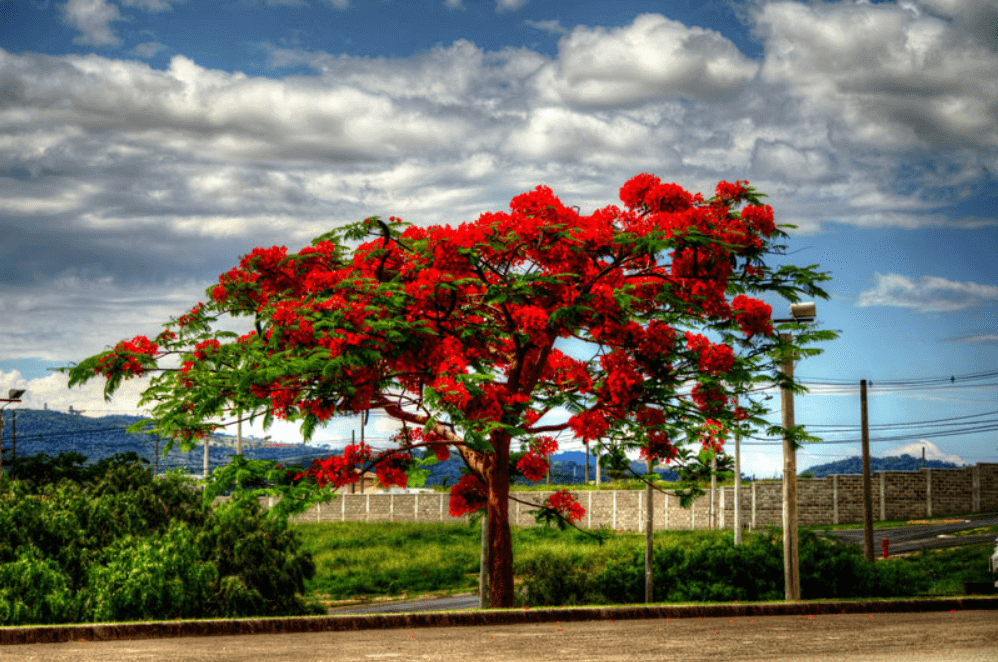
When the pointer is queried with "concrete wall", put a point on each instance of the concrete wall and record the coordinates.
(832, 500)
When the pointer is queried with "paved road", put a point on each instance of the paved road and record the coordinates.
(905, 539)
(962, 636)
(448, 603)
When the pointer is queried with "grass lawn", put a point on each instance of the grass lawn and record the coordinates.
(362, 561)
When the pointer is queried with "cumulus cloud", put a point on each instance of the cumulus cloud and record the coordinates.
(118, 177)
(928, 294)
(888, 75)
(93, 18)
(652, 57)
(932, 452)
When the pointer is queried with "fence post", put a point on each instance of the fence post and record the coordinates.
(883, 497)
(928, 492)
(835, 499)
(975, 488)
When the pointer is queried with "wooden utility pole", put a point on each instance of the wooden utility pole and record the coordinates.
(713, 493)
(867, 488)
(585, 442)
(598, 472)
(738, 486)
(483, 572)
(791, 569)
(649, 530)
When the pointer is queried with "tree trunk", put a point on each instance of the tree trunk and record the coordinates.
(500, 540)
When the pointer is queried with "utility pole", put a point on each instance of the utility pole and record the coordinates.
(713, 493)
(598, 472)
(13, 395)
(483, 573)
(738, 486)
(649, 528)
(13, 439)
(791, 570)
(585, 442)
(799, 312)
(867, 488)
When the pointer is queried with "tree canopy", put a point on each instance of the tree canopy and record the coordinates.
(635, 325)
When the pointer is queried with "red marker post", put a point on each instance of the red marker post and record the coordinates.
(886, 543)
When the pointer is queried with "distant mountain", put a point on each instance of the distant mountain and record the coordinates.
(854, 465)
(52, 433)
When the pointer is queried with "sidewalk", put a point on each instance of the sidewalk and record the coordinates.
(165, 629)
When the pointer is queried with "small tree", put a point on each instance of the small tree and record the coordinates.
(503, 331)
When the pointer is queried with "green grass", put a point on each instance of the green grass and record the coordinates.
(360, 560)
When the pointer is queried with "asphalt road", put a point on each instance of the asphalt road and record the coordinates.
(960, 636)
(448, 603)
(906, 539)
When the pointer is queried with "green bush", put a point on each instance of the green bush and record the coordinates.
(712, 569)
(148, 577)
(121, 544)
(33, 589)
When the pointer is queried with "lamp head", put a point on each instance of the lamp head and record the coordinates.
(802, 312)
(15, 393)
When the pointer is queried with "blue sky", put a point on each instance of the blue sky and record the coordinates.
(146, 144)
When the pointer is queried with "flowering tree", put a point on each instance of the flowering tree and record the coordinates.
(633, 325)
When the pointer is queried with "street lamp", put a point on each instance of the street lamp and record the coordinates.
(13, 395)
(800, 312)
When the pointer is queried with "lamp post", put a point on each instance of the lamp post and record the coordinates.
(800, 312)
(13, 395)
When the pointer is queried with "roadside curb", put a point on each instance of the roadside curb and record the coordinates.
(164, 629)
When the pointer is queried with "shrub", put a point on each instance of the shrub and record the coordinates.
(712, 569)
(121, 544)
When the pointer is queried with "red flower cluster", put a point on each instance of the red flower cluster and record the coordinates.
(467, 496)
(731, 192)
(761, 218)
(647, 192)
(753, 316)
(713, 359)
(589, 424)
(566, 504)
(127, 357)
(339, 470)
(391, 469)
(535, 463)
(712, 435)
(659, 446)
(709, 399)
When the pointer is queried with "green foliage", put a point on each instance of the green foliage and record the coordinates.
(149, 577)
(124, 545)
(712, 569)
(34, 589)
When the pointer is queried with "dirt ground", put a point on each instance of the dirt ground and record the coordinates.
(960, 636)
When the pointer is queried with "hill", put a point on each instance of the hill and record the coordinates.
(52, 433)
(854, 465)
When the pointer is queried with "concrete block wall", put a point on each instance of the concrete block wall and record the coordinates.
(832, 500)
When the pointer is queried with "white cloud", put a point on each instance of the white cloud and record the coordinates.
(654, 57)
(149, 5)
(93, 18)
(148, 49)
(509, 5)
(928, 294)
(453, 4)
(932, 452)
(552, 26)
(887, 76)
